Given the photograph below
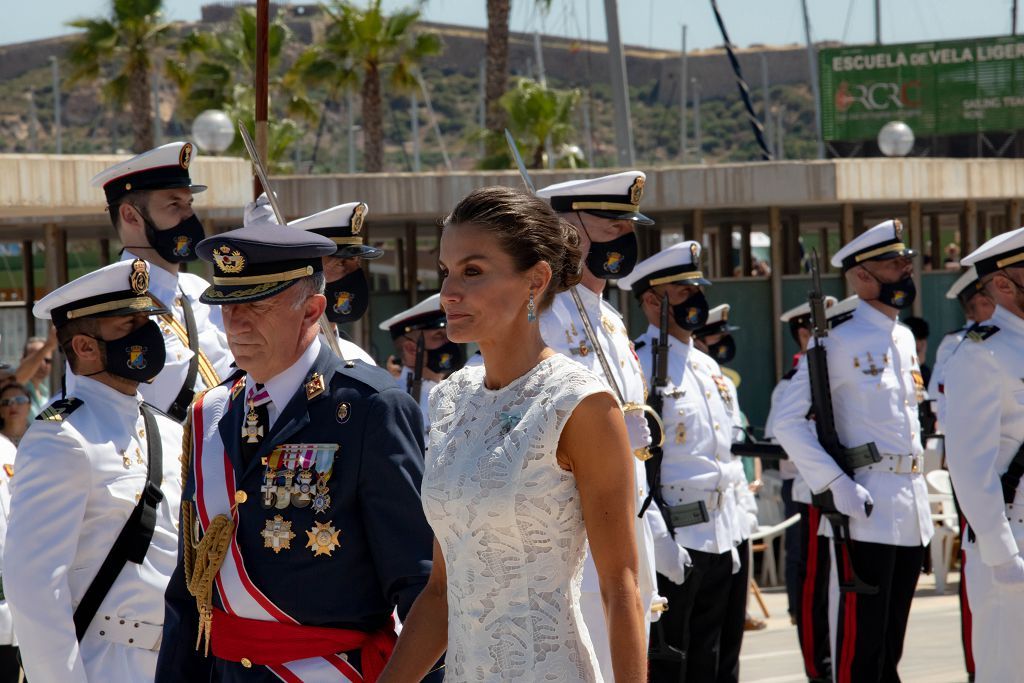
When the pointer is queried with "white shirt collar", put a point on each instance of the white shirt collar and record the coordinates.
(589, 297)
(283, 385)
(163, 284)
(873, 316)
(87, 388)
(1005, 319)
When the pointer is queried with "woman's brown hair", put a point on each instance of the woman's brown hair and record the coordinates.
(528, 230)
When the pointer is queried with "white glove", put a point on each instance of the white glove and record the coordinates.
(659, 605)
(639, 431)
(752, 522)
(259, 212)
(1010, 574)
(735, 555)
(671, 560)
(850, 498)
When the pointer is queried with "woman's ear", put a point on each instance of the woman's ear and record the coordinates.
(541, 276)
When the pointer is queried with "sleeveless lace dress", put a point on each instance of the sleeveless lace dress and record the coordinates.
(510, 524)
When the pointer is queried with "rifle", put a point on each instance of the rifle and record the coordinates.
(652, 466)
(414, 385)
(828, 437)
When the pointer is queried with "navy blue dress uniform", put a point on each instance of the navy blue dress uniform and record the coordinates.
(876, 385)
(191, 365)
(303, 527)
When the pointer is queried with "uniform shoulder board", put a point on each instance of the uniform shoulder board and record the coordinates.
(640, 344)
(59, 410)
(789, 375)
(839, 320)
(979, 333)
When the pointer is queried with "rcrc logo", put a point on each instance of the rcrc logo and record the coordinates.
(878, 96)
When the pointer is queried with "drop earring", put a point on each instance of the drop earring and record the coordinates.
(531, 309)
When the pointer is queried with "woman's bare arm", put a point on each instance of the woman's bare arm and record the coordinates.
(595, 446)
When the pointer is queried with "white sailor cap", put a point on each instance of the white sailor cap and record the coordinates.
(796, 314)
(842, 310)
(163, 168)
(426, 315)
(884, 241)
(680, 264)
(966, 286)
(343, 224)
(614, 196)
(1002, 251)
(717, 322)
(121, 288)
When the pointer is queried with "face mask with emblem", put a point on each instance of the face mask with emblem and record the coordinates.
(692, 313)
(614, 259)
(347, 297)
(724, 350)
(899, 294)
(445, 359)
(177, 244)
(138, 356)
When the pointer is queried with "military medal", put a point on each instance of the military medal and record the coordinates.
(268, 489)
(278, 534)
(284, 490)
(252, 430)
(723, 390)
(607, 324)
(323, 539)
(302, 495)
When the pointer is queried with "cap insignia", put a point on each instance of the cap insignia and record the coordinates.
(138, 279)
(185, 157)
(898, 227)
(694, 253)
(636, 190)
(228, 260)
(358, 216)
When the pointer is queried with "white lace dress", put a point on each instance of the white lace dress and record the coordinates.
(510, 523)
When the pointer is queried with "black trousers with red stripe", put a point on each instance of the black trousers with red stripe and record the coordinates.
(871, 628)
(731, 641)
(812, 615)
(965, 606)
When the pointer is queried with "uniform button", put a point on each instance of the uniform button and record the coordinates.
(707, 394)
(906, 402)
(716, 426)
(246, 663)
(142, 432)
(241, 497)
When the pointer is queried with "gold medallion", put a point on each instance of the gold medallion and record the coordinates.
(278, 534)
(358, 216)
(185, 156)
(315, 386)
(344, 412)
(636, 190)
(138, 280)
(323, 539)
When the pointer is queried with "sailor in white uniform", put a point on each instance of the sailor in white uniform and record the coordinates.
(424, 350)
(347, 290)
(9, 664)
(92, 536)
(149, 199)
(876, 385)
(604, 212)
(984, 436)
(695, 499)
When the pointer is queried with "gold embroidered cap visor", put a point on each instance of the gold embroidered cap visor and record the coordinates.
(258, 262)
(107, 305)
(614, 207)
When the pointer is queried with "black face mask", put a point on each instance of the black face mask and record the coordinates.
(898, 294)
(692, 313)
(138, 356)
(176, 244)
(347, 297)
(615, 259)
(445, 359)
(724, 351)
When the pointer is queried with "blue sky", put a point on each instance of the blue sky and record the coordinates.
(654, 23)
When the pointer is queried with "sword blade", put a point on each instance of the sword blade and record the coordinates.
(524, 174)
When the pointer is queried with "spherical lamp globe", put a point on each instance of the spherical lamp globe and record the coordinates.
(213, 131)
(895, 139)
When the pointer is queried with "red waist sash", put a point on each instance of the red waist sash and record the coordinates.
(271, 643)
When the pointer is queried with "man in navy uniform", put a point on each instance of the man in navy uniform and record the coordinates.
(302, 524)
(876, 385)
(149, 199)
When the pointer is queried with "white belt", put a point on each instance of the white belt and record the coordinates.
(681, 496)
(127, 632)
(896, 464)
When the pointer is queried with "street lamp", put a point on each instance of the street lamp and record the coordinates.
(213, 131)
(895, 139)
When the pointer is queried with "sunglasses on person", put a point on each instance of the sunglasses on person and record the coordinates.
(14, 401)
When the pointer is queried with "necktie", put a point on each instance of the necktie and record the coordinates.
(256, 425)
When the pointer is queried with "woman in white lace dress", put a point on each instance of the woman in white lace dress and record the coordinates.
(528, 458)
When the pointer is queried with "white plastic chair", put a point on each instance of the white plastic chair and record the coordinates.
(762, 541)
(947, 525)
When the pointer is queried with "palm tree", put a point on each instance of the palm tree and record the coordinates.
(497, 62)
(216, 70)
(535, 113)
(118, 49)
(363, 46)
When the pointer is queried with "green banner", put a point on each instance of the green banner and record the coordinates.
(940, 88)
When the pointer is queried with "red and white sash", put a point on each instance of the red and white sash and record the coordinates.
(215, 495)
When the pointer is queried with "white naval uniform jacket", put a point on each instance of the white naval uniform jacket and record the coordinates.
(875, 381)
(936, 385)
(72, 496)
(787, 468)
(985, 381)
(697, 456)
(745, 509)
(425, 389)
(352, 351)
(169, 288)
(7, 451)
(562, 329)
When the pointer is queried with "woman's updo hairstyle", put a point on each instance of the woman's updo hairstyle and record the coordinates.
(528, 230)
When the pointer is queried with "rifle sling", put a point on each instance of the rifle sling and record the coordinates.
(179, 407)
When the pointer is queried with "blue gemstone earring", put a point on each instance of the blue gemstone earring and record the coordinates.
(531, 309)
